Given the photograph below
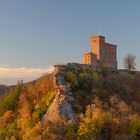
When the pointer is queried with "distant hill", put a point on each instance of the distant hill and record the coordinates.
(4, 89)
(73, 102)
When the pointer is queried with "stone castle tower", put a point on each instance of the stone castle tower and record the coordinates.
(102, 54)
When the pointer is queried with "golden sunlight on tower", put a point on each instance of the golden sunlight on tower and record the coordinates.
(102, 54)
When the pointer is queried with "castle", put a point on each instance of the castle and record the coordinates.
(102, 54)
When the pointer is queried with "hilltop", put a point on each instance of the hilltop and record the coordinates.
(73, 102)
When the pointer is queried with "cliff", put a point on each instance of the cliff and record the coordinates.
(61, 108)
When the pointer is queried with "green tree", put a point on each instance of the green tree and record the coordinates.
(72, 78)
(85, 131)
(9, 100)
(134, 128)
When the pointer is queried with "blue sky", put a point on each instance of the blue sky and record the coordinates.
(40, 33)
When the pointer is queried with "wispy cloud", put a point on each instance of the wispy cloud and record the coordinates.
(7, 72)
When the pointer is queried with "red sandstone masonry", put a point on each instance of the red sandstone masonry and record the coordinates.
(102, 54)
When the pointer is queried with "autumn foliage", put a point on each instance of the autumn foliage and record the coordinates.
(107, 107)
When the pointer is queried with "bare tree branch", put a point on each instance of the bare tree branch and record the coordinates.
(129, 62)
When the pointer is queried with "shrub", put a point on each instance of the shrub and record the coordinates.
(9, 132)
(134, 127)
(41, 107)
(70, 130)
(72, 78)
(96, 77)
(85, 131)
(105, 71)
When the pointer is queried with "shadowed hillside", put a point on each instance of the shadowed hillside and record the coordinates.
(74, 102)
(4, 89)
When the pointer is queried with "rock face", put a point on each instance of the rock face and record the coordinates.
(61, 107)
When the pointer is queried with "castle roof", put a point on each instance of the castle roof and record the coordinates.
(97, 36)
(90, 53)
(110, 45)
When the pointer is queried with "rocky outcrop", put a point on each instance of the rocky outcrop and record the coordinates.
(61, 107)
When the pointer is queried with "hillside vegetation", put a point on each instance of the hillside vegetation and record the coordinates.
(90, 105)
(4, 89)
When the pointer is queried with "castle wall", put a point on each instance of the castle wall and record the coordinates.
(86, 59)
(97, 45)
(90, 59)
(110, 56)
